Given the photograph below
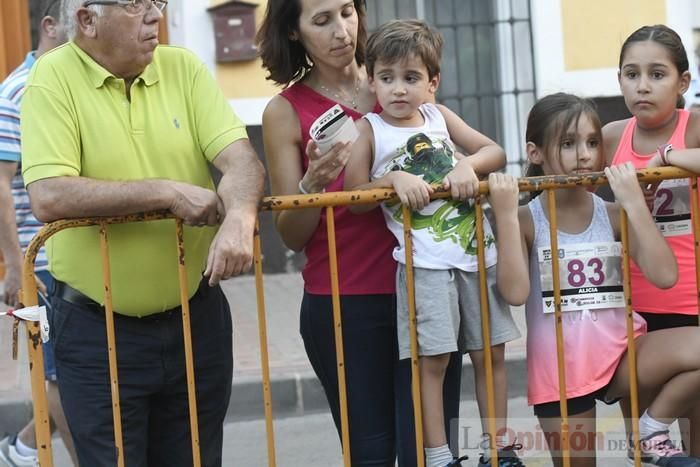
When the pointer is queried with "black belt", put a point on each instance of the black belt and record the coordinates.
(73, 296)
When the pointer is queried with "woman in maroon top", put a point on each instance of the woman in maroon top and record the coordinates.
(315, 48)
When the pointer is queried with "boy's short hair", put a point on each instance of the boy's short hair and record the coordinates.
(398, 40)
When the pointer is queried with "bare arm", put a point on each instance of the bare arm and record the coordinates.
(70, 197)
(359, 166)
(689, 158)
(647, 246)
(281, 139)
(240, 191)
(411, 189)
(9, 242)
(485, 156)
(512, 270)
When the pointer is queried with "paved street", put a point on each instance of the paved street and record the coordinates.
(304, 431)
(311, 441)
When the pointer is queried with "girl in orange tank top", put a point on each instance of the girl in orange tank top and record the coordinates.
(653, 77)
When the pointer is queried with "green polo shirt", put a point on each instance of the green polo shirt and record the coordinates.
(77, 121)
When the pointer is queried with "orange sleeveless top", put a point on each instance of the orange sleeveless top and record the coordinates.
(672, 215)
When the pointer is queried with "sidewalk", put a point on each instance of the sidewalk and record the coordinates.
(295, 389)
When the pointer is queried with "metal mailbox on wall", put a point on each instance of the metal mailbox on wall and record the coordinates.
(234, 31)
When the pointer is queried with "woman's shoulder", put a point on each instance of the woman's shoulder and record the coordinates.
(277, 109)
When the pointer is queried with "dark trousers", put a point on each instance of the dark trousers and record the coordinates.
(380, 409)
(152, 381)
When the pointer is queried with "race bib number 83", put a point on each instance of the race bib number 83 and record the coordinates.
(590, 276)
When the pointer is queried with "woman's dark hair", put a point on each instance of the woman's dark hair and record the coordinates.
(668, 39)
(285, 59)
(549, 120)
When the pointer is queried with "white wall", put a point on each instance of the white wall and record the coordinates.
(190, 26)
(548, 41)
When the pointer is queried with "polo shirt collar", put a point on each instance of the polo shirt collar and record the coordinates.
(30, 59)
(98, 74)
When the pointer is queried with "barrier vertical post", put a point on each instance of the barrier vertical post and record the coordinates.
(631, 348)
(413, 335)
(187, 341)
(111, 345)
(338, 326)
(264, 357)
(36, 371)
(485, 327)
(561, 363)
(694, 215)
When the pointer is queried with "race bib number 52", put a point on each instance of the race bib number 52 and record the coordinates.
(590, 276)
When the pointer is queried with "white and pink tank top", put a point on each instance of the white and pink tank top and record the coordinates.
(595, 339)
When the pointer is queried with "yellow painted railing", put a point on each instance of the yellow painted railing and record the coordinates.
(328, 201)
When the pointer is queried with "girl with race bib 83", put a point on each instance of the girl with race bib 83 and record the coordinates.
(564, 138)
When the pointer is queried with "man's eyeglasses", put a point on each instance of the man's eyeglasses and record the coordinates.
(135, 7)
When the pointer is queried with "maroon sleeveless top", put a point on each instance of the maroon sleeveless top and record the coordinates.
(363, 242)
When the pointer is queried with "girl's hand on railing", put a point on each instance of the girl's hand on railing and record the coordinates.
(624, 183)
(503, 194)
(324, 168)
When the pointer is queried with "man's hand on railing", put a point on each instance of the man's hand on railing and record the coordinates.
(231, 251)
(195, 205)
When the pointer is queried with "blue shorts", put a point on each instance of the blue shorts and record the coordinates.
(49, 360)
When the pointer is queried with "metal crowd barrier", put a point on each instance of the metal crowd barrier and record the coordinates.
(328, 201)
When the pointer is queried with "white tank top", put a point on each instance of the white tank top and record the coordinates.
(444, 232)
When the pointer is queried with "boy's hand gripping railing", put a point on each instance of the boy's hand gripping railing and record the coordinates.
(36, 359)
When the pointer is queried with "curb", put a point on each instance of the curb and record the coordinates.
(294, 395)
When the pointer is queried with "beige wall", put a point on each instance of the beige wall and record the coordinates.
(245, 79)
(595, 29)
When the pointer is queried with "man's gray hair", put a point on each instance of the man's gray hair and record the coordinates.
(68, 18)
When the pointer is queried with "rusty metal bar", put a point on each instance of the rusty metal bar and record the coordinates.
(280, 203)
(413, 335)
(111, 346)
(187, 341)
(316, 200)
(264, 357)
(631, 347)
(486, 328)
(338, 326)
(554, 242)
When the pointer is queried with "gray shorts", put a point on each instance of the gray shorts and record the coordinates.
(448, 311)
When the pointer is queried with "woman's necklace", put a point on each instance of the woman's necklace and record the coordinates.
(352, 100)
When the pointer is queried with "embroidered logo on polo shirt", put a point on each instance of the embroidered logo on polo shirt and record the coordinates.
(176, 123)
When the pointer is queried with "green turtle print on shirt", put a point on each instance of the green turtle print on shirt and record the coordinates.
(452, 220)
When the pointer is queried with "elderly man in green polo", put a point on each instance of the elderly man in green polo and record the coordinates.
(115, 124)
